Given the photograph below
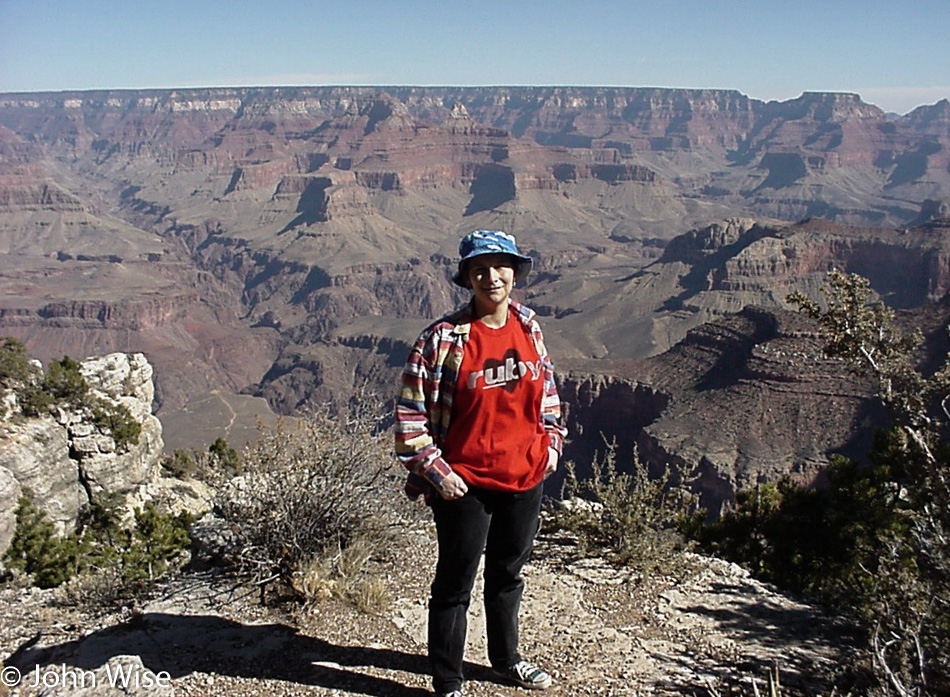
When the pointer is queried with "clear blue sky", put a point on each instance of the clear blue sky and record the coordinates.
(895, 55)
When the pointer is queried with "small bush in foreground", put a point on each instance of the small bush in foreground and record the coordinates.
(628, 516)
(343, 573)
(314, 506)
(37, 550)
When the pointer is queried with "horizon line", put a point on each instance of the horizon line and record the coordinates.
(406, 85)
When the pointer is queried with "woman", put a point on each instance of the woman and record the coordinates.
(477, 425)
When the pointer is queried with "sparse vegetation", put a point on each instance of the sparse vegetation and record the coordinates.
(181, 464)
(131, 554)
(631, 518)
(62, 385)
(771, 687)
(223, 455)
(37, 550)
(218, 462)
(118, 421)
(64, 382)
(15, 368)
(314, 507)
(824, 543)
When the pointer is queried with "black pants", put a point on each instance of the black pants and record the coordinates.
(503, 526)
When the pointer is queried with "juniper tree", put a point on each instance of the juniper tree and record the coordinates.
(910, 636)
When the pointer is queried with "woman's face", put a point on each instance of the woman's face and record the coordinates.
(492, 277)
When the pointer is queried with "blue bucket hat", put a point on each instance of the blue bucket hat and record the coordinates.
(490, 242)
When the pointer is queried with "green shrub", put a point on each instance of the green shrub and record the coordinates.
(135, 555)
(65, 385)
(826, 543)
(15, 368)
(118, 421)
(630, 517)
(180, 464)
(219, 462)
(36, 549)
(34, 400)
(909, 600)
(876, 540)
(62, 384)
(224, 455)
(153, 543)
(65, 382)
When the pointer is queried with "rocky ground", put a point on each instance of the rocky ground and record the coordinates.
(709, 630)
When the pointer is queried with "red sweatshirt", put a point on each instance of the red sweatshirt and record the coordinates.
(496, 439)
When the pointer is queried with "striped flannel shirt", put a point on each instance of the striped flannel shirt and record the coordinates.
(424, 405)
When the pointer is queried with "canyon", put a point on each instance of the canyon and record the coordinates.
(274, 250)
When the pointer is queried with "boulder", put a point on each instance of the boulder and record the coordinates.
(126, 380)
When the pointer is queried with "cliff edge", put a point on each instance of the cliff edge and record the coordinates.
(68, 457)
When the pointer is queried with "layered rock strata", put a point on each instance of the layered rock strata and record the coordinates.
(742, 401)
(289, 242)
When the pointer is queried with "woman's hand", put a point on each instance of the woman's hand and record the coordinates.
(551, 467)
(453, 487)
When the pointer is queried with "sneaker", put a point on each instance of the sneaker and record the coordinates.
(526, 675)
(453, 693)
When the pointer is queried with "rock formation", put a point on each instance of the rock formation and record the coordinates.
(66, 460)
(741, 401)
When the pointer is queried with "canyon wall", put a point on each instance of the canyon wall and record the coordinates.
(289, 243)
